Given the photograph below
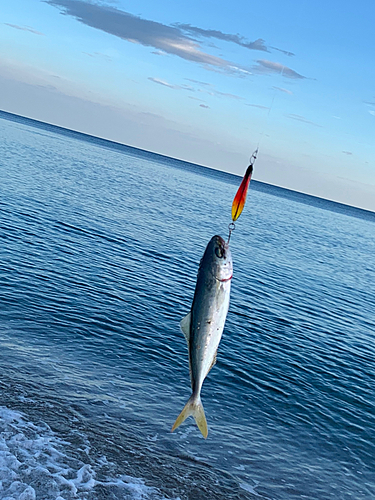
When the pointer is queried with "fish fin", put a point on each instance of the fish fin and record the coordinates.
(185, 326)
(213, 362)
(193, 407)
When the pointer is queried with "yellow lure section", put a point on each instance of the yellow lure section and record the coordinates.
(240, 198)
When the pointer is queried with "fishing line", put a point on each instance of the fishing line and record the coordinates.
(269, 110)
(240, 197)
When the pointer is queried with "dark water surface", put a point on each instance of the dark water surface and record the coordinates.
(99, 249)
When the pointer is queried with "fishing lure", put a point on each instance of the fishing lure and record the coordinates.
(241, 195)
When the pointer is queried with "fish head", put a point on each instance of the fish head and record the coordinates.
(219, 253)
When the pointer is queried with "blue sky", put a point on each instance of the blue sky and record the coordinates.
(207, 82)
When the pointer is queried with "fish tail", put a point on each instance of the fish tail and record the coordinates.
(193, 407)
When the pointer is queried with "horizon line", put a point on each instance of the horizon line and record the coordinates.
(85, 134)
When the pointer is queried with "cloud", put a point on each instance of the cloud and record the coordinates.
(199, 82)
(195, 98)
(24, 28)
(258, 106)
(178, 39)
(370, 103)
(302, 119)
(224, 94)
(219, 35)
(290, 54)
(210, 90)
(98, 55)
(371, 112)
(286, 91)
(169, 39)
(268, 67)
(170, 85)
(187, 87)
(164, 83)
(258, 44)
(159, 53)
(241, 71)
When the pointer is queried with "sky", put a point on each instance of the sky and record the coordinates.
(207, 82)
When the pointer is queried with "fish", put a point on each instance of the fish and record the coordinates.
(204, 324)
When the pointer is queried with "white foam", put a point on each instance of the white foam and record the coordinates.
(36, 463)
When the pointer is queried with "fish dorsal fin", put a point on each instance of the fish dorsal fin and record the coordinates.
(185, 326)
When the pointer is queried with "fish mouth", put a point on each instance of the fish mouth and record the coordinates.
(221, 249)
(220, 240)
(222, 252)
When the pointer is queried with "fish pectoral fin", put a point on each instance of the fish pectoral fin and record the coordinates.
(185, 326)
(213, 362)
(193, 407)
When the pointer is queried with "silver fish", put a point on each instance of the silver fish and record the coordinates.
(204, 324)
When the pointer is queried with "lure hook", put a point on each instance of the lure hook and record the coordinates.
(231, 227)
(253, 157)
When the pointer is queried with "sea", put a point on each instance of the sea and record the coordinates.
(99, 250)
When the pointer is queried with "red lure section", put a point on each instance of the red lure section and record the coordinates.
(240, 198)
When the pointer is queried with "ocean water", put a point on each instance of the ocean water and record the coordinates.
(99, 249)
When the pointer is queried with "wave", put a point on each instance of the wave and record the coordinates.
(36, 463)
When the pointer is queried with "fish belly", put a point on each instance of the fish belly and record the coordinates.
(209, 312)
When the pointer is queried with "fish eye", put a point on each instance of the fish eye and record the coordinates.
(219, 252)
